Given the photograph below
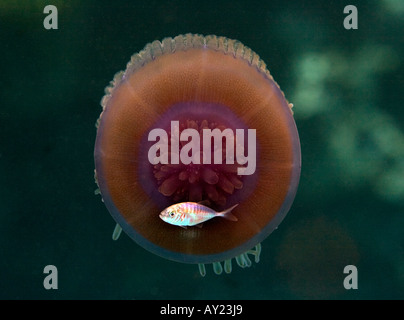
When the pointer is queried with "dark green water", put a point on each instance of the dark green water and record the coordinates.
(347, 88)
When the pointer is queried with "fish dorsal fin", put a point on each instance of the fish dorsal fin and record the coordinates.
(206, 203)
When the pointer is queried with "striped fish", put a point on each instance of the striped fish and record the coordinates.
(187, 214)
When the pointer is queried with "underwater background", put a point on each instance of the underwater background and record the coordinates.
(347, 89)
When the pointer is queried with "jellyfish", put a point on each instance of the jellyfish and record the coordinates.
(201, 83)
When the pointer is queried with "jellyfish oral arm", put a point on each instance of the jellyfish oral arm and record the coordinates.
(159, 152)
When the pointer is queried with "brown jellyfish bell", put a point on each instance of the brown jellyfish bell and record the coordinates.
(201, 83)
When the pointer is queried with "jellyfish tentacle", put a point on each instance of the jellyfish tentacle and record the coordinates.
(117, 232)
(256, 252)
(247, 259)
(217, 268)
(202, 269)
(227, 266)
(243, 261)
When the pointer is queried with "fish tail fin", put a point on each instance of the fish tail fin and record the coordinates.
(227, 214)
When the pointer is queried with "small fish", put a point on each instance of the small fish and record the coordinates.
(187, 214)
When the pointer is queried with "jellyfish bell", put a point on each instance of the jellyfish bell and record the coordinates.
(187, 86)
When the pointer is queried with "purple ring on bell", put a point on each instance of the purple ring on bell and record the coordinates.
(175, 182)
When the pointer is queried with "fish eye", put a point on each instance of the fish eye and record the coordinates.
(171, 213)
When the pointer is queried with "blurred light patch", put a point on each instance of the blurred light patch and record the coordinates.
(324, 79)
(369, 147)
(394, 7)
(310, 93)
(366, 144)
